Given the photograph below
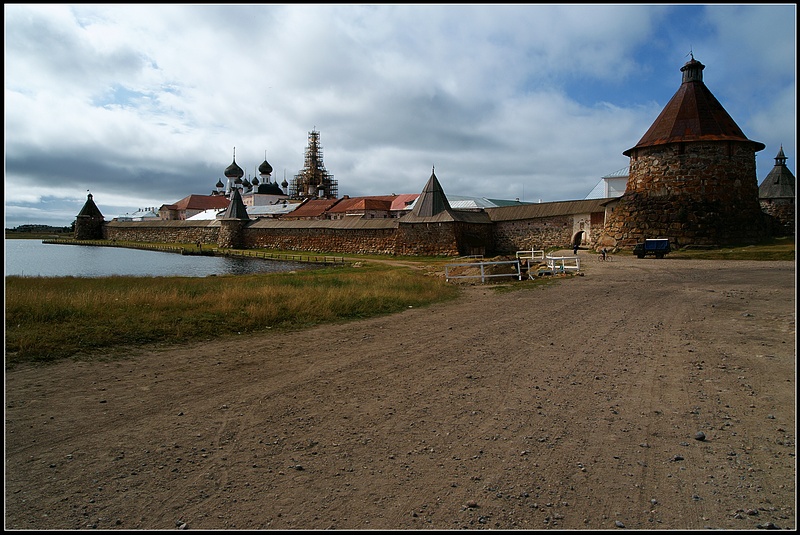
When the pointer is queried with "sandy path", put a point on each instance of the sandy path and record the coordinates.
(573, 405)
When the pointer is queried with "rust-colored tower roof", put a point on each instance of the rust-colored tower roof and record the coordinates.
(693, 114)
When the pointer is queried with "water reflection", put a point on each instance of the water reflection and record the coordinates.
(32, 258)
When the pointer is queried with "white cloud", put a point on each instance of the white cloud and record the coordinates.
(146, 102)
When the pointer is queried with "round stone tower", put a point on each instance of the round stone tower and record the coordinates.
(89, 222)
(692, 176)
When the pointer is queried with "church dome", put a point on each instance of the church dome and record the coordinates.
(233, 170)
(265, 168)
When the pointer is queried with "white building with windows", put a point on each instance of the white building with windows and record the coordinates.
(611, 185)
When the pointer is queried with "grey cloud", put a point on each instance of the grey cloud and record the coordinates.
(168, 181)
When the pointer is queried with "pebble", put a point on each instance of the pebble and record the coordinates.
(700, 436)
(619, 524)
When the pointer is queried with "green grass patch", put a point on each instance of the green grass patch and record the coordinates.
(775, 249)
(51, 318)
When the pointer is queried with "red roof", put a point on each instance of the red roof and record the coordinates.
(311, 208)
(200, 202)
(378, 202)
(402, 201)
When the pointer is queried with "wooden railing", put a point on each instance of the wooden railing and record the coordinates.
(483, 275)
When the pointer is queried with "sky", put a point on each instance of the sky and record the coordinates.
(142, 105)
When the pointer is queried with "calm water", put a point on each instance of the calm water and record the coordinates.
(32, 258)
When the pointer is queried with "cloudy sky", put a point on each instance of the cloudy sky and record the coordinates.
(142, 105)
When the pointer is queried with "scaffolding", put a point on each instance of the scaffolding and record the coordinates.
(314, 181)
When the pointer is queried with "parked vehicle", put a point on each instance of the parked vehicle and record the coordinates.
(657, 247)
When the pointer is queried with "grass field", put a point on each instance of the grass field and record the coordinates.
(51, 318)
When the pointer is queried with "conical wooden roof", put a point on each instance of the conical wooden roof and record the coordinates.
(432, 206)
(779, 183)
(236, 209)
(432, 200)
(90, 209)
(693, 114)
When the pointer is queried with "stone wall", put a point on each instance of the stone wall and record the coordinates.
(206, 232)
(421, 239)
(529, 234)
(427, 239)
(692, 193)
(686, 217)
(596, 229)
(474, 239)
(354, 241)
(783, 211)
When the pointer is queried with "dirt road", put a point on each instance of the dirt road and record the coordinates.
(576, 405)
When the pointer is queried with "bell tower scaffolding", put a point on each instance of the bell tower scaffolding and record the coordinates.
(314, 181)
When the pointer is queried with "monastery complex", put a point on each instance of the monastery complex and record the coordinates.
(691, 179)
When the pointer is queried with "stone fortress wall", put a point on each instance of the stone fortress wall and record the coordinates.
(387, 237)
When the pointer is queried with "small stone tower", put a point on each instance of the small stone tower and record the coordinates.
(89, 222)
(231, 231)
(692, 176)
(776, 195)
(434, 228)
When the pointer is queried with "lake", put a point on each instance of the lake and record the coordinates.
(32, 258)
